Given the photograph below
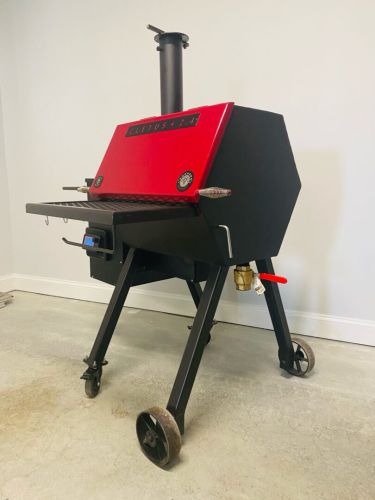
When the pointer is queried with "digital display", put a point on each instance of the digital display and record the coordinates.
(163, 125)
(89, 241)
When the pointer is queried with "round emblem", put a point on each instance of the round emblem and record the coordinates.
(185, 180)
(98, 181)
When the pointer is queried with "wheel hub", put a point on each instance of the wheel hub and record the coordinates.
(150, 438)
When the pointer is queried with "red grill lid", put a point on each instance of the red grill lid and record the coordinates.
(165, 157)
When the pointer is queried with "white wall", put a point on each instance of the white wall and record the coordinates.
(5, 237)
(77, 68)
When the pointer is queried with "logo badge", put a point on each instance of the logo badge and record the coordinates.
(98, 181)
(185, 180)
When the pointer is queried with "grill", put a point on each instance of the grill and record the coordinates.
(187, 195)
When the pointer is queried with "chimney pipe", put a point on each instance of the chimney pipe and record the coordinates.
(170, 47)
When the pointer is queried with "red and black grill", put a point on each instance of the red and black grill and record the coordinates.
(187, 194)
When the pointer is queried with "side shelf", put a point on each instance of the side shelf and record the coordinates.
(111, 212)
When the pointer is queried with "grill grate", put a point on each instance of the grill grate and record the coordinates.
(112, 211)
(116, 204)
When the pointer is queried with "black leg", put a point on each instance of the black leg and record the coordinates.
(277, 313)
(196, 343)
(112, 314)
(196, 292)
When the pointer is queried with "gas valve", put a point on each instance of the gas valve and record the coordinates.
(243, 277)
(247, 279)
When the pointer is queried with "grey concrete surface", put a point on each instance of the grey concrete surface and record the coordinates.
(251, 432)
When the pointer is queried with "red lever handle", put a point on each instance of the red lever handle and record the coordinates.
(273, 277)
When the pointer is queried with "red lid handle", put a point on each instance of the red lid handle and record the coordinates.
(273, 277)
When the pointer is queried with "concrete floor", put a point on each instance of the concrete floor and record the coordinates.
(251, 432)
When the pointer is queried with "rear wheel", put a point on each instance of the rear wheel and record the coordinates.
(304, 358)
(158, 435)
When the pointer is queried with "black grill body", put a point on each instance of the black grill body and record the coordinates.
(254, 161)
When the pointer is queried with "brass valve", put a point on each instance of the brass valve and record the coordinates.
(243, 277)
(246, 279)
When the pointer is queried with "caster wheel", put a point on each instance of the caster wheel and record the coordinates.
(92, 385)
(304, 358)
(158, 435)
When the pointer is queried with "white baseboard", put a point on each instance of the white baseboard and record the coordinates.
(341, 328)
(7, 283)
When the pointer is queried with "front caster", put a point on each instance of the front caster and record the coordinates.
(304, 358)
(92, 381)
(158, 435)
